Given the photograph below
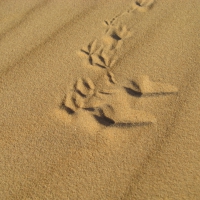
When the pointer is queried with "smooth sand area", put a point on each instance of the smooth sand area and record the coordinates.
(100, 100)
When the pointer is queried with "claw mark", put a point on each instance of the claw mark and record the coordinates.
(111, 77)
(119, 32)
(142, 5)
(89, 51)
(91, 97)
(146, 87)
(104, 60)
(115, 35)
(111, 116)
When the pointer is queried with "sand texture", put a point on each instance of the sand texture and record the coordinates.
(100, 100)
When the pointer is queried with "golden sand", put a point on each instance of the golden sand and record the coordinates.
(100, 100)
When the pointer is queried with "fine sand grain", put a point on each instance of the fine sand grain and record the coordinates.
(99, 100)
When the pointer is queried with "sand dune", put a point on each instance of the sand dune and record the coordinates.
(99, 100)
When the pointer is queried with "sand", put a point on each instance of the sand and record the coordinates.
(99, 100)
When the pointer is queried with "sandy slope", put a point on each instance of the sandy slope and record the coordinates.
(121, 131)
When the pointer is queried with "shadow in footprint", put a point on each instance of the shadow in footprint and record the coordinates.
(128, 125)
(104, 120)
(81, 94)
(109, 122)
(67, 109)
(133, 93)
(89, 109)
(137, 3)
(101, 66)
(158, 94)
(115, 36)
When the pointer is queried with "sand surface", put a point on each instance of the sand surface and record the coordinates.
(99, 100)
